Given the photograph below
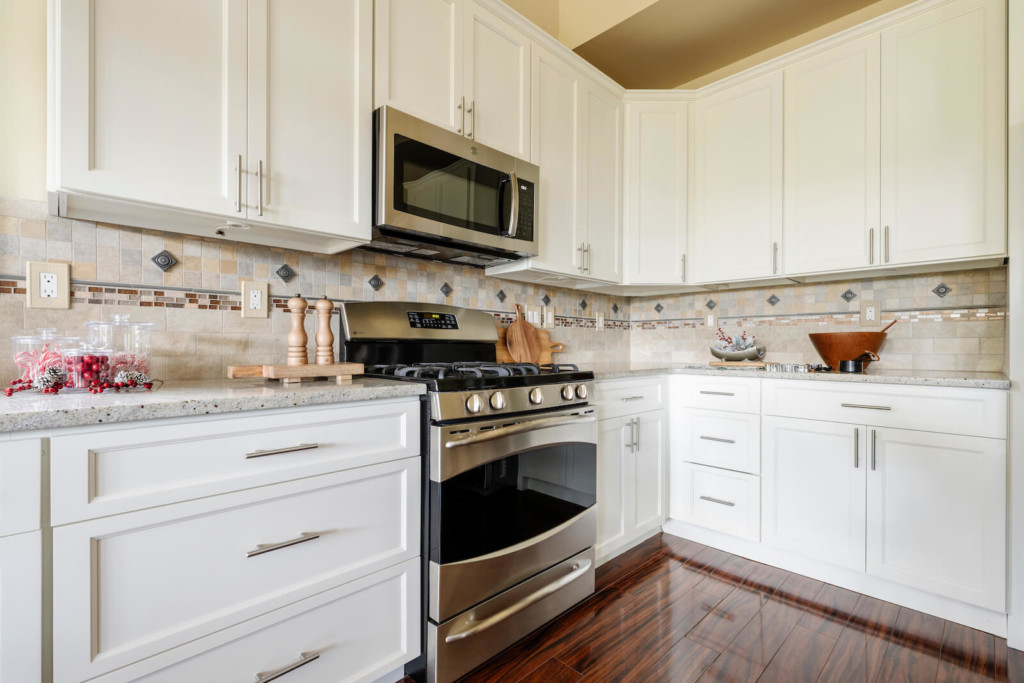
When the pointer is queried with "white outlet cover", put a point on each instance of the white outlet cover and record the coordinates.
(255, 300)
(870, 314)
(711, 320)
(48, 285)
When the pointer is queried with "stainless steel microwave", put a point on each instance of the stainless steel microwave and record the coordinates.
(444, 196)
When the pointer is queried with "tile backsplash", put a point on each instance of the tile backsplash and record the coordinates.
(198, 329)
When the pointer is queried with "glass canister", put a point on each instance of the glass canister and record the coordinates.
(87, 364)
(131, 343)
(34, 354)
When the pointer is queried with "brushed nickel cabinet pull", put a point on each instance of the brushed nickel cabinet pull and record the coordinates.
(874, 448)
(471, 132)
(865, 407)
(636, 434)
(718, 393)
(775, 257)
(259, 187)
(715, 438)
(871, 246)
(461, 106)
(278, 451)
(304, 658)
(887, 244)
(238, 184)
(579, 252)
(262, 548)
(629, 438)
(720, 502)
(632, 398)
(856, 447)
(683, 278)
(586, 258)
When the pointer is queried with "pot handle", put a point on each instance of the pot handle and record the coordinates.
(867, 355)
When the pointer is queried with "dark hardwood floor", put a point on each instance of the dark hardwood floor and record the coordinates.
(675, 610)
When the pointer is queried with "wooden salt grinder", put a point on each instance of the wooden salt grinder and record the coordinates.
(324, 335)
(297, 338)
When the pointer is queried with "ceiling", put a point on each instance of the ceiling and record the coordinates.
(686, 43)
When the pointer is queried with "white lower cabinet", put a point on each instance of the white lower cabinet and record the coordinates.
(718, 499)
(21, 608)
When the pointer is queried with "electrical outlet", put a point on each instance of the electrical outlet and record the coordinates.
(600, 321)
(711, 319)
(48, 284)
(255, 300)
(870, 314)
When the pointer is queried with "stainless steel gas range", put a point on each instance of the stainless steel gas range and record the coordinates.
(511, 467)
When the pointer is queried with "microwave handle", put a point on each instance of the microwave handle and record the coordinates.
(513, 216)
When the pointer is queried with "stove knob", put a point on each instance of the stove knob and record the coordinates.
(581, 391)
(568, 392)
(474, 404)
(536, 396)
(497, 400)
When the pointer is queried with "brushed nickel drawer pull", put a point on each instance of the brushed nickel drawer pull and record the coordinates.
(304, 659)
(278, 451)
(720, 502)
(718, 393)
(270, 547)
(633, 398)
(866, 407)
(715, 438)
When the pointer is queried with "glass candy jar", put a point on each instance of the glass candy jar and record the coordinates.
(130, 343)
(35, 354)
(87, 364)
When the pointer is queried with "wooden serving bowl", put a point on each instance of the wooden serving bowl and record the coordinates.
(836, 346)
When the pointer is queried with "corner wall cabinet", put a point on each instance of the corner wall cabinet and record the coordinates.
(261, 118)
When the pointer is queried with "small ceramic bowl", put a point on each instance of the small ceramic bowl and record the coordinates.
(756, 353)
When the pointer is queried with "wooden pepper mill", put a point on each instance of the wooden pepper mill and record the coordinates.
(297, 338)
(324, 335)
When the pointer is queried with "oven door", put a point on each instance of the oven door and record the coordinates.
(509, 498)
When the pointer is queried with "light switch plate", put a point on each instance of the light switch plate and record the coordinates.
(600, 321)
(255, 301)
(870, 314)
(548, 316)
(48, 285)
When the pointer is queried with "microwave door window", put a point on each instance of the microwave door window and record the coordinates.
(437, 185)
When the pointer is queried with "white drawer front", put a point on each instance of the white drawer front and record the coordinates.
(615, 398)
(737, 394)
(725, 501)
(359, 631)
(121, 470)
(721, 439)
(973, 412)
(141, 583)
(20, 466)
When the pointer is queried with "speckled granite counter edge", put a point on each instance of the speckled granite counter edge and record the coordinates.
(99, 414)
(906, 380)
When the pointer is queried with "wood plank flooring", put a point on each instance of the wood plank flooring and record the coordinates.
(675, 610)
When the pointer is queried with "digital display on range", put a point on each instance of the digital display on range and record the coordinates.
(433, 321)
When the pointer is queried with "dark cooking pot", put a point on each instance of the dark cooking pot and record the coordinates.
(857, 364)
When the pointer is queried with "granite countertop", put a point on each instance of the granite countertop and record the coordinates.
(28, 411)
(934, 378)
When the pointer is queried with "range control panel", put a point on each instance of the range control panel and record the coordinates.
(433, 321)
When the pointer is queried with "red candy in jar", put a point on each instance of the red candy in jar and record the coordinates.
(85, 366)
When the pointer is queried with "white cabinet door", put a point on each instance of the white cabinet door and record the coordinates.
(21, 609)
(937, 514)
(418, 59)
(603, 144)
(558, 91)
(656, 192)
(497, 82)
(152, 101)
(310, 115)
(813, 479)
(738, 182)
(615, 485)
(649, 457)
(831, 159)
(944, 134)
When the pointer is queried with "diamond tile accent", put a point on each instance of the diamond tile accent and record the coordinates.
(659, 308)
(848, 296)
(773, 300)
(546, 300)
(942, 290)
(501, 295)
(376, 282)
(164, 261)
(711, 304)
(583, 304)
(615, 308)
(446, 289)
(285, 272)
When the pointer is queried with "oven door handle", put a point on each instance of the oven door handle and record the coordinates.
(522, 428)
(472, 627)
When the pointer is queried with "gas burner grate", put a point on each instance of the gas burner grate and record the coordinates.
(474, 369)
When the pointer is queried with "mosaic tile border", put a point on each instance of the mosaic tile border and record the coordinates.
(987, 314)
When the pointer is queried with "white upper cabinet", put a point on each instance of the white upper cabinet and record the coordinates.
(145, 114)
(831, 203)
(261, 116)
(456, 65)
(602, 251)
(738, 182)
(656, 192)
(944, 134)
(309, 115)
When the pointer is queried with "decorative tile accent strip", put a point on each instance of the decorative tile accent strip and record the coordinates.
(164, 261)
(285, 272)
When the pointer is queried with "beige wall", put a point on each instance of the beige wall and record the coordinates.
(544, 13)
(23, 99)
(581, 20)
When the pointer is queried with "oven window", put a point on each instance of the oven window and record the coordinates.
(435, 184)
(511, 500)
